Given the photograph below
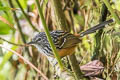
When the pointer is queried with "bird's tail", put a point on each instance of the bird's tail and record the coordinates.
(95, 28)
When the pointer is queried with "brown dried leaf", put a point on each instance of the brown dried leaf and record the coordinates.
(92, 68)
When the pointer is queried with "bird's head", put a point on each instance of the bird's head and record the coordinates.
(38, 39)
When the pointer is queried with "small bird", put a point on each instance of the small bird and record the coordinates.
(64, 42)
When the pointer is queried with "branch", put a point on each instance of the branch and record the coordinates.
(58, 15)
(13, 43)
(48, 35)
(17, 21)
(98, 35)
(26, 16)
(61, 22)
(29, 63)
(75, 67)
(18, 24)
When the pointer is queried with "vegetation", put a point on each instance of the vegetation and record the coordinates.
(95, 58)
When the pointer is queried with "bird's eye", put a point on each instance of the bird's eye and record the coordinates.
(39, 39)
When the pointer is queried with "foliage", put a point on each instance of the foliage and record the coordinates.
(80, 15)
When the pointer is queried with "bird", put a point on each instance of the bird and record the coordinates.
(65, 42)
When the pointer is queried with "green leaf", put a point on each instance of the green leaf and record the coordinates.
(2, 77)
(23, 3)
(5, 8)
(4, 28)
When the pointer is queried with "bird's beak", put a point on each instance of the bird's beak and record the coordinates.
(30, 43)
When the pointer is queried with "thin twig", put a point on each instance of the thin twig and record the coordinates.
(29, 63)
(26, 16)
(13, 43)
(17, 21)
(18, 25)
